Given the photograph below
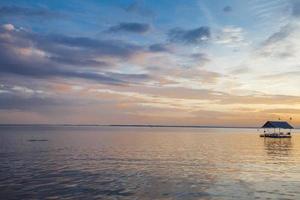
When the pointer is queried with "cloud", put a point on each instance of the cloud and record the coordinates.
(11, 101)
(67, 46)
(131, 27)
(8, 27)
(192, 36)
(231, 36)
(13, 63)
(209, 76)
(296, 8)
(80, 62)
(200, 58)
(283, 111)
(107, 47)
(28, 54)
(227, 9)
(282, 76)
(281, 44)
(159, 48)
(42, 68)
(137, 7)
(25, 98)
(26, 12)
(280, 35)
(241, 70)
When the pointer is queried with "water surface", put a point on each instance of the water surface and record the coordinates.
(146, 163)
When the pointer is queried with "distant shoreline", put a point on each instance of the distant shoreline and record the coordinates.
(131, 125)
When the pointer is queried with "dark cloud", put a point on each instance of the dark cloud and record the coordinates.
(277, 44)
(62, 45)
(12, 101)
(13, 63)
(26, 12)
(132, 27)
(192, 36)
(159, 48)
(20, 55)
(280, 35)
(139, 8)
(79, 62)
(296, 8)
(26, 98)
(116, 48)
(201, 57)
(129, 77)
(227, 9)
(42, 68)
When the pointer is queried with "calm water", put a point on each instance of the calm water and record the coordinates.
(146, 163)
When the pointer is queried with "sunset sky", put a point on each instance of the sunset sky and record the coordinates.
(174, 62)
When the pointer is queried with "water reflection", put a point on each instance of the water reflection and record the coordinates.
(150, 163)
(278, 147)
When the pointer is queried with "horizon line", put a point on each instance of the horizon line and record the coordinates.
(138, 125)
(132, 125)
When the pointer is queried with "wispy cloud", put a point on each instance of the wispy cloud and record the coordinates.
(13, 11)
(231, 36)
(139, 8)
(132, 27)
(191, 36)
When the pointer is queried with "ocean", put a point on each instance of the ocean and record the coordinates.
(79, 162)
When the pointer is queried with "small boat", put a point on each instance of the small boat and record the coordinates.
(271, 127)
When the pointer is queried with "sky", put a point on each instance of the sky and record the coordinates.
(196, 62)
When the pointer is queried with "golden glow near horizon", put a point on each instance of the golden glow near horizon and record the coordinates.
(237, 67)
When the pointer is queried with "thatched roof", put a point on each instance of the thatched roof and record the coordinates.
(277, 124)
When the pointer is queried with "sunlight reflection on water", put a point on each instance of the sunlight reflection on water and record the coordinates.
(146, 163)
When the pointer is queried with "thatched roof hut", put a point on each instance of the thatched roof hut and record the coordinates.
(277, 124)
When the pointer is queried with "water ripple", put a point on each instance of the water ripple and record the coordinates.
(96, 163)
